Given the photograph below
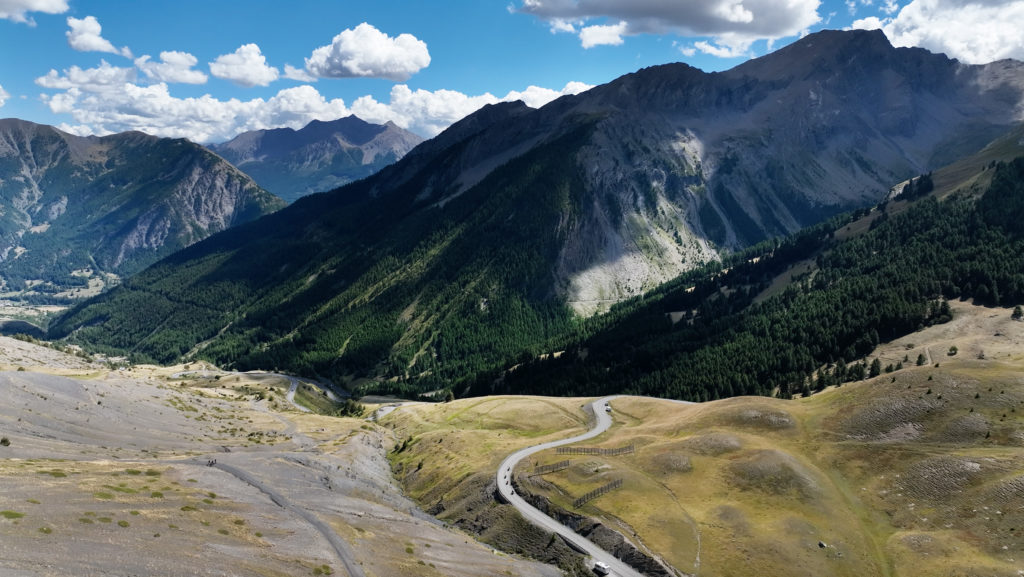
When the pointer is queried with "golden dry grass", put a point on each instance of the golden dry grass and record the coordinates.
(472, 435)
(918, 472)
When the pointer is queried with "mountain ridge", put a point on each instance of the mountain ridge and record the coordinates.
(113, 204)
(466, 252)
(318, 157)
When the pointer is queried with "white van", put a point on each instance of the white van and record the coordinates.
(601, 568)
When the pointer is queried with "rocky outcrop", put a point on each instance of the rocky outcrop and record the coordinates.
(682, 164)
(109, 204)
(608, 539)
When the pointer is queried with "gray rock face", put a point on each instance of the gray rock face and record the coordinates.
(684, 164)
(319, 157)
(488, 228)
(113, 204)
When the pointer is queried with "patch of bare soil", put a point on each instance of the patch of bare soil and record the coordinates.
(890, 419)
(759, 417)
(936, 478)
(713, 444)
(16, 353)
(672, 463)
(773, 472)
(969, 428)
(140, 473)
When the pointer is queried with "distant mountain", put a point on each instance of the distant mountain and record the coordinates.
(319, 157)
(112, 204)
(466, 253)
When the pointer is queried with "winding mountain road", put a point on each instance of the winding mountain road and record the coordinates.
(535, 516)
(291, 393)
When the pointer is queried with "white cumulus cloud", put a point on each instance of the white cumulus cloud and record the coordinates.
(597, 35)
(364, 51)
(299, 74)
(970, 31)
(726, 50)
(4, 95)
(868, 23)
(85, 35)
(733, 25)
(174, 66)
(17, 10)
(536, 96)
(246, 67)
(103, 78)
(559, 25)
(430, 112)
(106, 99)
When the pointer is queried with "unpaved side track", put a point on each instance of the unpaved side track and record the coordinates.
(345, 554)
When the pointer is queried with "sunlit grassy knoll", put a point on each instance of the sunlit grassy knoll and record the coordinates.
(457, 439)
(915, 472)
(728, 475)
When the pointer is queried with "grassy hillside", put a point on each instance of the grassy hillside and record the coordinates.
(918, 472)
(447, 455)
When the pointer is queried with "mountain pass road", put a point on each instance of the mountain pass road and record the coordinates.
(533, 515)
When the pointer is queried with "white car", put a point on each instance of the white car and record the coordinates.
(601, 568)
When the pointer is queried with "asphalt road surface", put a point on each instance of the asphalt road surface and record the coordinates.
(533, 515)
(291, 393)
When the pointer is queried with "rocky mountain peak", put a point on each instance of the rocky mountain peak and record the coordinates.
(319, 156)
(351, 129)
(479, 239)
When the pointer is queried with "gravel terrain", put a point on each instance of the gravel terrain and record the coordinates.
(137, 473)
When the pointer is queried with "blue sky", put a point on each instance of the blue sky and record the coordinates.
(210, 70)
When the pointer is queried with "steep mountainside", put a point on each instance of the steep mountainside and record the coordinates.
(682, 164)
(465, 253)
(109, 204)
(319, 157)
(849, 286)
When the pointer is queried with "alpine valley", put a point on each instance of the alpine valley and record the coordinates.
(762, 321)
(496, 241)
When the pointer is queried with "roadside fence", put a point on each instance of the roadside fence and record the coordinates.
(596, 493)
(544, 469)
(595, 450)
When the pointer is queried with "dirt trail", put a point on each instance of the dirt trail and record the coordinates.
(344, 551)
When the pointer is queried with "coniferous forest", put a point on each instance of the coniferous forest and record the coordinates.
(886, 283)
(482, 309)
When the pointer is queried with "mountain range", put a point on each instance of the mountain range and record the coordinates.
(491, 241)
(317, 158)
(72, 207)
